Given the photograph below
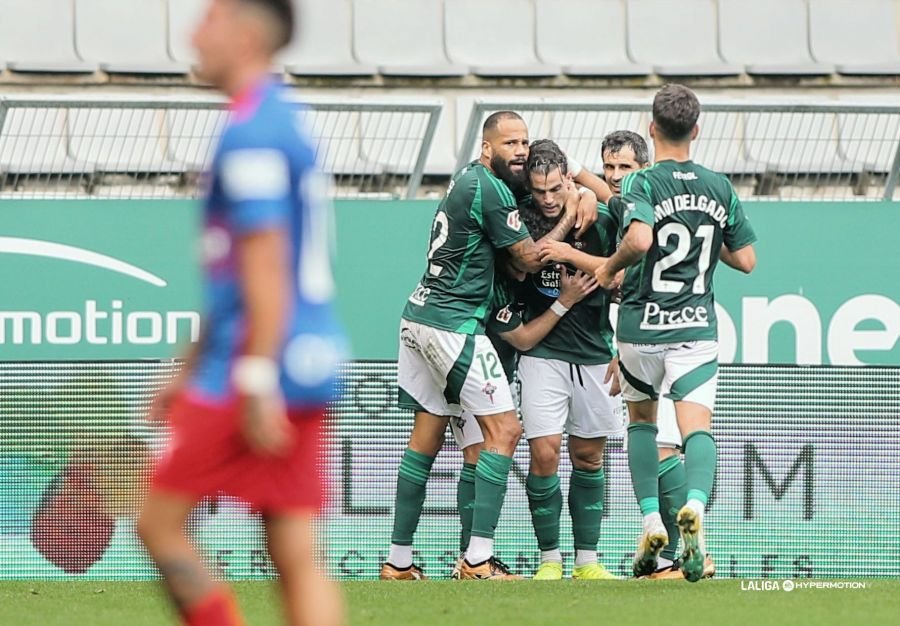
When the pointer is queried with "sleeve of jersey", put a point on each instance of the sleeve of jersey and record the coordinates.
(608, 227)
(501, 215)
(504, 320)
(636, 200)
(738, 231)
(256, 185)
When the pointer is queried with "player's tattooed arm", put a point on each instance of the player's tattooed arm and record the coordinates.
(526, 254)
(742, 259)
(638, 239)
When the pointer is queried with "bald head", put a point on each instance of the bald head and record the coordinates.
(492, 123)
(504, 148)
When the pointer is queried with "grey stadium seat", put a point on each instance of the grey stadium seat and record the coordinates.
(677, 38)
(750, 36)
(125, 36)
(580, 133)
(860, 36)
(721, 144)
(323, 43)
(414, 46)
(33, 141)
(586, 37)
(183, 18)
(120, 140)
(53, 51)
(797, 143)
(495, 38)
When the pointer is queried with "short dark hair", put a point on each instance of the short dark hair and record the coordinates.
(544, 156)
(494, 119)
(675, 111)
(283, 16)
(616, 140)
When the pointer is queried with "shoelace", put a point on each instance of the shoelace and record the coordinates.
(503, 567)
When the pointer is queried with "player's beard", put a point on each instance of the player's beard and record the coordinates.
(515, 181)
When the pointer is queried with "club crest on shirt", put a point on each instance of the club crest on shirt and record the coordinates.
(514, 221)
(489, 390)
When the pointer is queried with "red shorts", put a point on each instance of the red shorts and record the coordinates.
(207, 455)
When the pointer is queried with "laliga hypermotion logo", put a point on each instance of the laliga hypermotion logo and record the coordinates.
(91, 324)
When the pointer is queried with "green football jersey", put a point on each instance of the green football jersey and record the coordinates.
(668, 296)
(584, 335)
(477, 215)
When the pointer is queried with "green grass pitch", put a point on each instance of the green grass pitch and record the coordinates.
(526, 603)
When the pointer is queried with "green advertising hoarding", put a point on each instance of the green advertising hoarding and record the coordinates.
(806, 483)
(119, 280)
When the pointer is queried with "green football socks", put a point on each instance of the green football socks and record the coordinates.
(411, 481)
(643, 461)
(672, 496)
(545, 502)
(586, 507)
(465, 503)
(700, 465)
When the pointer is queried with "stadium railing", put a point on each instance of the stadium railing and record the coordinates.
(124, 148)
(828, 151)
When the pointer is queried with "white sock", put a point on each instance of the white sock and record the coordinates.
(652, 520)
(662, 563)
(551, 555)
(480, 550)
(697, 506)
(400, 556)
(583, 557)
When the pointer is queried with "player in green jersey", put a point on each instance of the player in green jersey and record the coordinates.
(677, 216)
(446, 363)
(508, 333)
(625, 152)
(568, 381)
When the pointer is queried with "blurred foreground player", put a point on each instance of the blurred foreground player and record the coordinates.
(246, 411)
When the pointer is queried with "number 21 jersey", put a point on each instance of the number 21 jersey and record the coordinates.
(668, 296)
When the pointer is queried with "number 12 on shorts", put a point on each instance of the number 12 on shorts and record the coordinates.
(490, 365)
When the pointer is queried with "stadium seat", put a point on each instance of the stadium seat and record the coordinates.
(120, 140)
(190, 135)
(126, 36)
(580, 133)
(797, 143)
(870, 138)
(415, 44)
(721, 146)
(859, 36)
(586, 37)
(33, 141)
(38, 36)
(749, 36)
(323, 42)
(183, 18)
(677, 39)
(495, 38)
